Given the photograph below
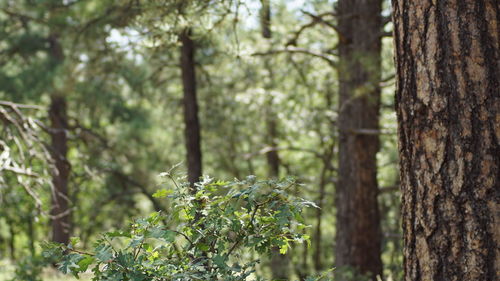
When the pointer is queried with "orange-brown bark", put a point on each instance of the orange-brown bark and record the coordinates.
(448, 106)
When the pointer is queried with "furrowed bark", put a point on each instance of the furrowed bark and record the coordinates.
(448, 107)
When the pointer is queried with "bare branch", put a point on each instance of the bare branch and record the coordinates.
(320, 19)
(315, 19)
(291, 50)
(386, 20)
(22, 17)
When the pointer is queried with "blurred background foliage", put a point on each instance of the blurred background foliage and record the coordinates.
(121, 79)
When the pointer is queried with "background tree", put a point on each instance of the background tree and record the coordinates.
(280, 263)
(358, 238)
(192, 124)
(448, 107)
(124, 94)
(60, 211)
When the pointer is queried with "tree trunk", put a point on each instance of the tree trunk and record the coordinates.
(12, 240)
(265, 18)
(192, 124)
(358, 221)
(318, 266)
(31, 235)
(328, 154)
(280, 264)
(448, 107)
(60, 212)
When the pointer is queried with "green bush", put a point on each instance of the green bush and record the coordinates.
(204, 235)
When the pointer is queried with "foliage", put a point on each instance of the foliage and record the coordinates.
(202, 236)
(121, 79)
(23, 156)
(29, 269)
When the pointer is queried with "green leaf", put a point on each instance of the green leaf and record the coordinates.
(162, 193)
(169, 236)
(114, 234)
(74, 241)
(220, 261)
(284, 248)
(156, 232)
(70, 262)
(104, 253)
(136, 241)
(85, 262)
(203, 247)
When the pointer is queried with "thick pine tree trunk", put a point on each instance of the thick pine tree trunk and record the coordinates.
(448, 106)
(358, 220)
(60, 211)
(192, 124)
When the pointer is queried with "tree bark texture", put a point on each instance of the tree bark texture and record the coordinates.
(358, 221)
(192, 132)
(448, 107)
(60, 211)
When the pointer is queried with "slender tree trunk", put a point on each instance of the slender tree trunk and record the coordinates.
(328, 154)
(192, 132)
(31, 235)
(358, 221)
(60, 201)
(60, 211)
(265, 18)
(448, 107)
(318, 266)
(12, 240)
(272, 156)
(3, 248)
(280, 264)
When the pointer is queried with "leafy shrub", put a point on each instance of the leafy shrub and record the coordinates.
(30, 269)
(202, 236)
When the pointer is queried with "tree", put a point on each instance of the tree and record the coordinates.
(280, 263)
(448, 107)
(58, 116)
(358, 221)
(192, 124)
(60, 210)
(46, 48)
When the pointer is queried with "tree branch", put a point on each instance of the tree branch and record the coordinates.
(315, 19)
(292, 50)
